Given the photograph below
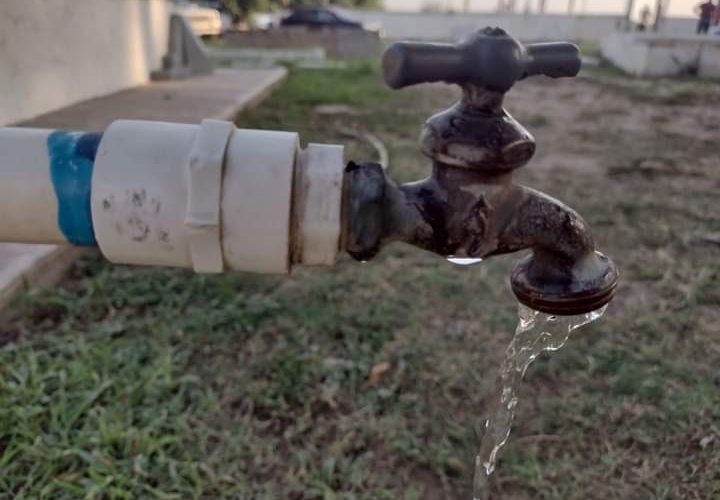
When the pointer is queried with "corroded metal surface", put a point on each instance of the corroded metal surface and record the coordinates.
(469, 206)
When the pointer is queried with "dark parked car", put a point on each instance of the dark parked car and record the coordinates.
(316, 17)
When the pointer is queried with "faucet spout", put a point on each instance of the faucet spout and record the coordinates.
(564, 274)
(469, 207)
(460, 213)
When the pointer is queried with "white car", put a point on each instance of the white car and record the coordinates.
(204, 21)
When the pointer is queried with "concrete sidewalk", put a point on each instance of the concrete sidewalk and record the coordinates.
(221, 95)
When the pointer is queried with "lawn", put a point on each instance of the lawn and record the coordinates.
(371, 381)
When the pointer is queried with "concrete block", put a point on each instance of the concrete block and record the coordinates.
(656, 55)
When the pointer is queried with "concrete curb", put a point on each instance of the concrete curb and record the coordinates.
(39, 266)
(252, 98)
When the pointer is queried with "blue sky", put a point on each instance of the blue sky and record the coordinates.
(677, 7)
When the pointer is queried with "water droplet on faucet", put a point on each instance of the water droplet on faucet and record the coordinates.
(463, 261)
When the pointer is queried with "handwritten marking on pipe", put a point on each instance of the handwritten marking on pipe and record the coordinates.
(72, 156)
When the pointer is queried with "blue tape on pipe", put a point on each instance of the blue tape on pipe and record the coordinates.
(72, 156)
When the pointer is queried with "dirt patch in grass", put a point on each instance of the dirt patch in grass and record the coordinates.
(139, 382)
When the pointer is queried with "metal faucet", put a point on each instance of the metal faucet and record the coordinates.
(469, 207)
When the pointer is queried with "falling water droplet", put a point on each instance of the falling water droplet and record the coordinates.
(463, 261)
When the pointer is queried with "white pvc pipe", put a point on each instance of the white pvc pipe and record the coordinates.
(256, 201)
(207, 197)
(139, 193)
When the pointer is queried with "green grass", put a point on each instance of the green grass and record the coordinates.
(150, 383)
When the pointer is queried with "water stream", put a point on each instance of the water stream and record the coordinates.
(536, 332)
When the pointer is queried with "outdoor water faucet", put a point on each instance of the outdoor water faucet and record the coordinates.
(215, 198)
(469, 206)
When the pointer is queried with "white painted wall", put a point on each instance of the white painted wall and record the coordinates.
(532, 27)
(440, 26)
(57, 52)
(673, 7)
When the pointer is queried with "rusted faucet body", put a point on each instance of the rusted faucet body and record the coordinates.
(469, 206)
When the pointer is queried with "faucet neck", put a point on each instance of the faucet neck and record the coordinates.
(453, 177)
(477, 134)
(477, 99)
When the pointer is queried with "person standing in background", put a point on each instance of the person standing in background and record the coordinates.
(706, 11)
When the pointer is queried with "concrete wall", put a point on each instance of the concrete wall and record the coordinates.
(336, 42)
(56, 52)
(662, 55)
(440, 26)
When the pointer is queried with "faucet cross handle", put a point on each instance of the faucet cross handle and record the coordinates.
(469, 207)
(490, 59)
